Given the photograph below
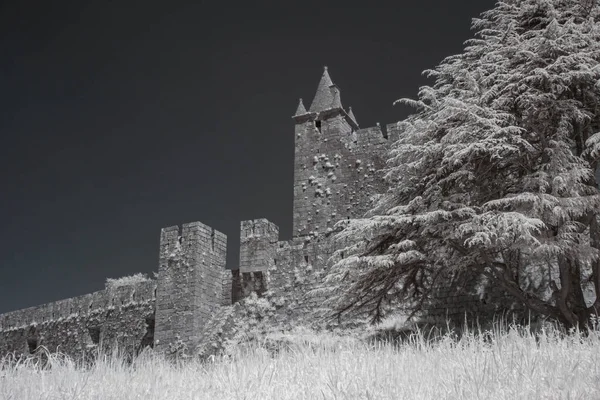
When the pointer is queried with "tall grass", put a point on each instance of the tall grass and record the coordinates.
(510, 365)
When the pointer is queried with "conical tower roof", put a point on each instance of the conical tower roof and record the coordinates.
(300, 110)
(351, 115)
(336, 102)
(324, 97)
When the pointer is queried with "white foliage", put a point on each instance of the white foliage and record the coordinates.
(593, 145)
(499, 154)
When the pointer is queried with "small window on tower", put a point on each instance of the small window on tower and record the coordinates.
(318, 125)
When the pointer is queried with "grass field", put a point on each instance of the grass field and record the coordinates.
(511, 365)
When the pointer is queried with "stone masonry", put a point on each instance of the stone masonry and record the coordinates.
(258, 255)
(337, 171)
(190, 286)
(121, 317)
(336, 166)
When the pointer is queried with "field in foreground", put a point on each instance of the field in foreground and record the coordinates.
(510, 365)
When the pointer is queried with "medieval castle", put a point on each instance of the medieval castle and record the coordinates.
(336, 172)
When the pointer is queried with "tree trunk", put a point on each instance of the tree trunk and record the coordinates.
(564, 294)
(594, 309)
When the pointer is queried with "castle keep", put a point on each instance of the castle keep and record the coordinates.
(336, 172)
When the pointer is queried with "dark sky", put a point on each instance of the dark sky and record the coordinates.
(118, 118)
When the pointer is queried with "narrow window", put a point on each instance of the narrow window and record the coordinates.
(246, 283)
(259, 282)
(236, 286)
(180, 233)
(318, 125)
(148, 339)
(94, 333)
(32, 345)
(306, 259)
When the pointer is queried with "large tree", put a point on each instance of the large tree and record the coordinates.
(493, 173)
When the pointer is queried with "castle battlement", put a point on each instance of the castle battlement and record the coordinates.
(336, 171)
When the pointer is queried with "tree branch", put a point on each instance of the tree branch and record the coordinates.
(511, 287)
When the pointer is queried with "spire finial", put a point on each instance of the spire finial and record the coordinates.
(300, 110)
(325, 68)
(351, 115)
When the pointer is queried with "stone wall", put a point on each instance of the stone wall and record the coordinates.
(258, 243)
(284, 271)
(120, 317)
(300, 269)
(172, 312)
(258, 247)
(336, 172)
(192, 284)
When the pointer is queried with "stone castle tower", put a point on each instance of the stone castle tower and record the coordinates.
(336, 164)
(337, 169)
